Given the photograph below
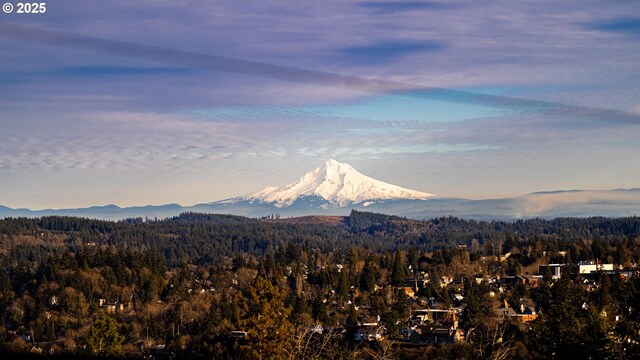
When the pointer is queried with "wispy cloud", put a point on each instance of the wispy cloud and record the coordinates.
(623, 25)
(388, 51)
(300, 75)
(87, 71)
(513, 97)
(109, 70)
(394, 6)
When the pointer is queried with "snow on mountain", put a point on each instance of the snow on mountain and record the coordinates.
(337, 183)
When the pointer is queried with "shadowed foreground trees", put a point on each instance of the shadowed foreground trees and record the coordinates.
(104, 337)
(569, 326)
(269, 332)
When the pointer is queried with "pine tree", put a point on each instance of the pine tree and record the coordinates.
(561, 321)
(104, 337)
(343, 285)
(598, 341)
(398, 274)
(352, 319)
(266, 321)
(369, 275)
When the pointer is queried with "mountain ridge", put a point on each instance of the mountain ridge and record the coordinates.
(334, 189)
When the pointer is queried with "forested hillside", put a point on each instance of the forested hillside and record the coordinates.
(202, 285)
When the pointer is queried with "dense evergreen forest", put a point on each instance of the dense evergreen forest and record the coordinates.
(203, 285)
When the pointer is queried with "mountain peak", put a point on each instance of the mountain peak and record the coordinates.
(337, 183)
(332, 166)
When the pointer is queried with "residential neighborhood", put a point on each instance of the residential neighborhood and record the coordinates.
(316, 291)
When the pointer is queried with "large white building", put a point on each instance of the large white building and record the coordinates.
(587, 267)
(583, 267)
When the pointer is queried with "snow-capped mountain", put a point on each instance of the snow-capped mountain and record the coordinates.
(334, 188)
(335, 184)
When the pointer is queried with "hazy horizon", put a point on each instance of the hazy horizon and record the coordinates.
(240, 95)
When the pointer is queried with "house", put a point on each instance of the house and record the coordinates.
(112, 308)
(109, 308)
(529, 314)
(238, 334)
(505, 312)
(315, 329)
(435, 316)
(530, 310)
(529, 280)
(369, 332)
(408, 291)
(429, 334)
(418, 280)
(445, 280)
(555, 269)
(526, 280)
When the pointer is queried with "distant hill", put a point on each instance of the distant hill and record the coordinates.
(334, 189)
(313, 220)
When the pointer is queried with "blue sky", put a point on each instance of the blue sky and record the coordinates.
(85, 123)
